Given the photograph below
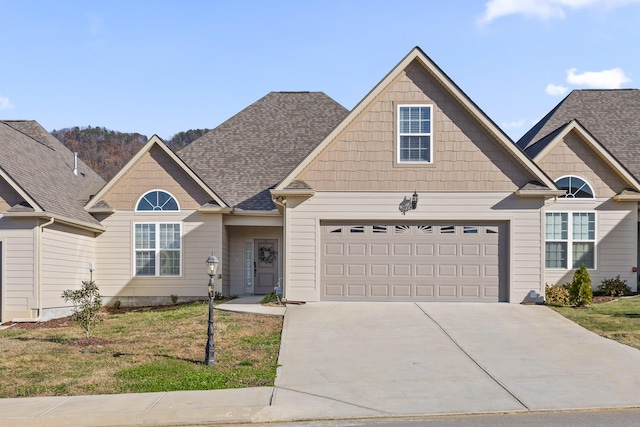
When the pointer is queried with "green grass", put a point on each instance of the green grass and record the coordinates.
(618, 320)
(147, 350)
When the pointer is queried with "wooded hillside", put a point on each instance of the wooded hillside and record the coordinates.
(107, 151)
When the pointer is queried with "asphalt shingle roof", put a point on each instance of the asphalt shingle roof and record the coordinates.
(257, 148)
(611, 116)
(43, 167)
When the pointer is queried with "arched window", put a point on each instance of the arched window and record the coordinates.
(575, 188)
(157, 200)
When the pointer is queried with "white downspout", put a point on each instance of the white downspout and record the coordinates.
(38, 272)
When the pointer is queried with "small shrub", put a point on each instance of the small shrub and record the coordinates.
(87, 303)
(217, 295)
(557, 294)
(580, 292)
(117, 304)
(269, 298)
(614, 287)
(174, 298)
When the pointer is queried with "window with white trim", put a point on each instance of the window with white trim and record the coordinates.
(575, 188)
(157, 200)
(570, 236)
(157, 248)
(415, 134)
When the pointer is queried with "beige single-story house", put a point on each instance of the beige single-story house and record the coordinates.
(414, 195)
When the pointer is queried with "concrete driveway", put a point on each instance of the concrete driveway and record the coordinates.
(371, 359)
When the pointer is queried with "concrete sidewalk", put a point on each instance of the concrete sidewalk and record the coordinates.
(363, 360)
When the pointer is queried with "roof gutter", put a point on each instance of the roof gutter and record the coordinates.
(292, 192)
(540, 193)
(59, 218)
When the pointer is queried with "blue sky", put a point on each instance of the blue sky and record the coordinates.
(168, 66)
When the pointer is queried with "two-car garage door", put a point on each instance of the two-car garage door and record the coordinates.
(414, 261)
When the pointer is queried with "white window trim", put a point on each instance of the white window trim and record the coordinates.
(157, 249)
(577, 198)
(151, 191)
(399, 134)
(249, 259)
(570, 240)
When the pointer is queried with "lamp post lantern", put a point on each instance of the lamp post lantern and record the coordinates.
(212, 267)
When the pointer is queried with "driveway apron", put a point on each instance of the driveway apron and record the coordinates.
(372, 359)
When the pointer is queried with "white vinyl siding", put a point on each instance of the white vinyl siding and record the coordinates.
(415, 142)
(570, 236)
(522, 216)
(115, 267)
(66, 254)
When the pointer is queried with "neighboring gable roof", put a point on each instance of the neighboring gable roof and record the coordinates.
(40, 169)
(418, 55)
(254, 150)
(611, 116)
(96, 204)
(540, 149)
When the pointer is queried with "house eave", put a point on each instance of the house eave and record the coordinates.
(306, 192)
(627, 197)
(58, 218)
(540, 193)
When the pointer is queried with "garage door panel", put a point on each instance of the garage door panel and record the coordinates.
(402, 249)
(334, 270)
(402, 291)
(379, 249)
(379, 290)
(470, 250)
(357, 249)
(380, 270)
(401, 270)
(467, 291)
(356, 290)
(447, 249)
(334, 249)
(447, 270)
(424, 270)
(470, 271)
(413, 262)
(424, 250)
(357, 269)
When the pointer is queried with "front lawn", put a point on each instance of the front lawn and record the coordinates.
(618, 320)
(146, 350)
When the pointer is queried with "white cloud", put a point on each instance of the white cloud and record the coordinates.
(5, 104)
(513, 125)
(556, 90)
(607, 79)
(542, 9)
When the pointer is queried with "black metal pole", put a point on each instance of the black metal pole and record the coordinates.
(209, 358)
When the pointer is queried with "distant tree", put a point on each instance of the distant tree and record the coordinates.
(182, 139)
(107, 151)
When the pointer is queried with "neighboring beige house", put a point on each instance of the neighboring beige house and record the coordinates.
(414, 195)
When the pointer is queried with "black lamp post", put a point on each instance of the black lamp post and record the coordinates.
(212, 267)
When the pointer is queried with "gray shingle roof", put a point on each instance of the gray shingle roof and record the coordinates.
(610, 116)
(43, 167)
(254, 150)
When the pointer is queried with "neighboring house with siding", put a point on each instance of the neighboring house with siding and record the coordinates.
(295, 187)
(47, 239)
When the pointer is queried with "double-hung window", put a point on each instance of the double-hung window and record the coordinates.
(157, 249)
(157, 245)
(415, 125)
(570, 240)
